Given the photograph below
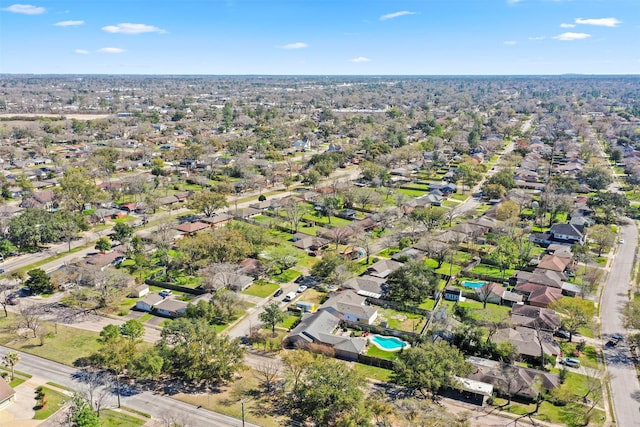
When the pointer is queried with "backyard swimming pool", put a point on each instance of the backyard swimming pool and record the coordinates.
(388, 343)
(474, 285)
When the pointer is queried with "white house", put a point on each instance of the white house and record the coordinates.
(149, 302)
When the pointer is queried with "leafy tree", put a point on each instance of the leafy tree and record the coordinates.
(197, 353)
(507, 211)
(610, 204)
(121, 232)
(431, 217)
(602, 236)
(430, 367)
(596, 177)
(280, 258)
(147, 364)
(116, 353)
(493, 191)
(505, 255)
(39, 282)
(575, 313)
(6, 247)
(329, 393)
(78, 188)
(411, 283)
(207, 202)
(132, 329)
(504, 177)
(10, 360)
(103, 244)
(271, 316)
(82, 414)
(312, 178)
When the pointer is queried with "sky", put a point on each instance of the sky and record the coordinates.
(320, 37)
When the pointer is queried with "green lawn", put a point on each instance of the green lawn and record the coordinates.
(289, 321)
(54, 400)
(373, 372)
(388, 252)
(286, 276)
(493, 312)
(588, 358)
(374, 351)
(112, 418)
(68, 344)
(548, 412)
(261, 289)
(400, 320)
(491, 270)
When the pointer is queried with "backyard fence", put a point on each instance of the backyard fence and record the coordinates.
(399, 306)
(174, 287)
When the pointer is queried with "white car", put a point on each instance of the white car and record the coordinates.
(165, 293)
(301, 289)
(621, 240)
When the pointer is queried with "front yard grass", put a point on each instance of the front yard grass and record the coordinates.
(261, 289)
(548, 412)
(54, 400)
(286, 276)
(289, 322)
(68, 345)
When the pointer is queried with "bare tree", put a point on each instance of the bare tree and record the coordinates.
(268, 373)
(29, 318)
(294, 212)
(221, 275)
(95, 388)
(6, 291)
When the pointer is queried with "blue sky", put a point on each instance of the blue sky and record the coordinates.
(320, 37)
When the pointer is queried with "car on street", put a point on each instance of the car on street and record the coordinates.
(301, 289)
(1, 270)
(290, 296)
(570, 362)
(614, 340)
(165, 293)
(621, 240)
(278, 292)
(563, 334)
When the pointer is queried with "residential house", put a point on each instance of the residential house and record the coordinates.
(104, 260)
(318, 328)
(244, 213)
(148, 302)
(451, 293)
(231, 280)
(535, 317)
(218, 220)
(539, 295)
(191, 228)
(350, 306)
(565, 234)
(512, 380)
(7, 394)
(555, 263)
(309, 243)
(171, 308)
(40, 199)
(413, 254)
(490, 293)
(383, 268)
(368, 286)
(528, 342)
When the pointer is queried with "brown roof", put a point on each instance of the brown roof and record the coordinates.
(551, 262)
(192, 227)
(6, 392)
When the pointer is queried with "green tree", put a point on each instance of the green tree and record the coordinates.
(271, 316)
(103, 244)
(431, 216)
(132, 329)
(207, 202)
(195, 352)
(596, 177)
(6, 247)
(575, 313)
(82, 414)
(10, 360)
(505, 255)
(411, 283)
(39, 282)
(504, 177)
(329, 393)
(121, 232)
(610, 204)
(280, 258)
(147, 364)
(430, 367)
(77, 188)
(602, 236)
(115, 354)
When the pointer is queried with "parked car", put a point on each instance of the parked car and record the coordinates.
(301, 289)
(563, 334)
(614, 340)
(570, 362)
(621, 240)
(289, 296)
(278, 292)
(165, 293)
(1, 270)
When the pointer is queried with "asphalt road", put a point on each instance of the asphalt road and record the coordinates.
(625, 389)
(158, 406)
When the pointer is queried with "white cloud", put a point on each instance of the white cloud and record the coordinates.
(360, 59)
(129, 28)
(565, 25)
(396, 15)
(111, 50)
(537, 38)
(599, 22)
(572, 36)
(296, 45)
(510, 42)
(68, 23)
(26, 9)
(81, 52)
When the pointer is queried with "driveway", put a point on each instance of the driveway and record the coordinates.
(20, 412)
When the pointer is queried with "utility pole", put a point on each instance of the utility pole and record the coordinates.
(242, 402)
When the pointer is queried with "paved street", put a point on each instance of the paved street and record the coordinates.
(625, 389)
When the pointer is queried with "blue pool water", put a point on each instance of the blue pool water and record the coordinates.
(474, 285)
(388, 343)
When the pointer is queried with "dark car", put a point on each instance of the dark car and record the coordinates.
(614, 340)
(563, 334)
(278, 292)
(299, 279)
(1, 270)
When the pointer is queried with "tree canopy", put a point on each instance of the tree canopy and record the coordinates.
(411, 283)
